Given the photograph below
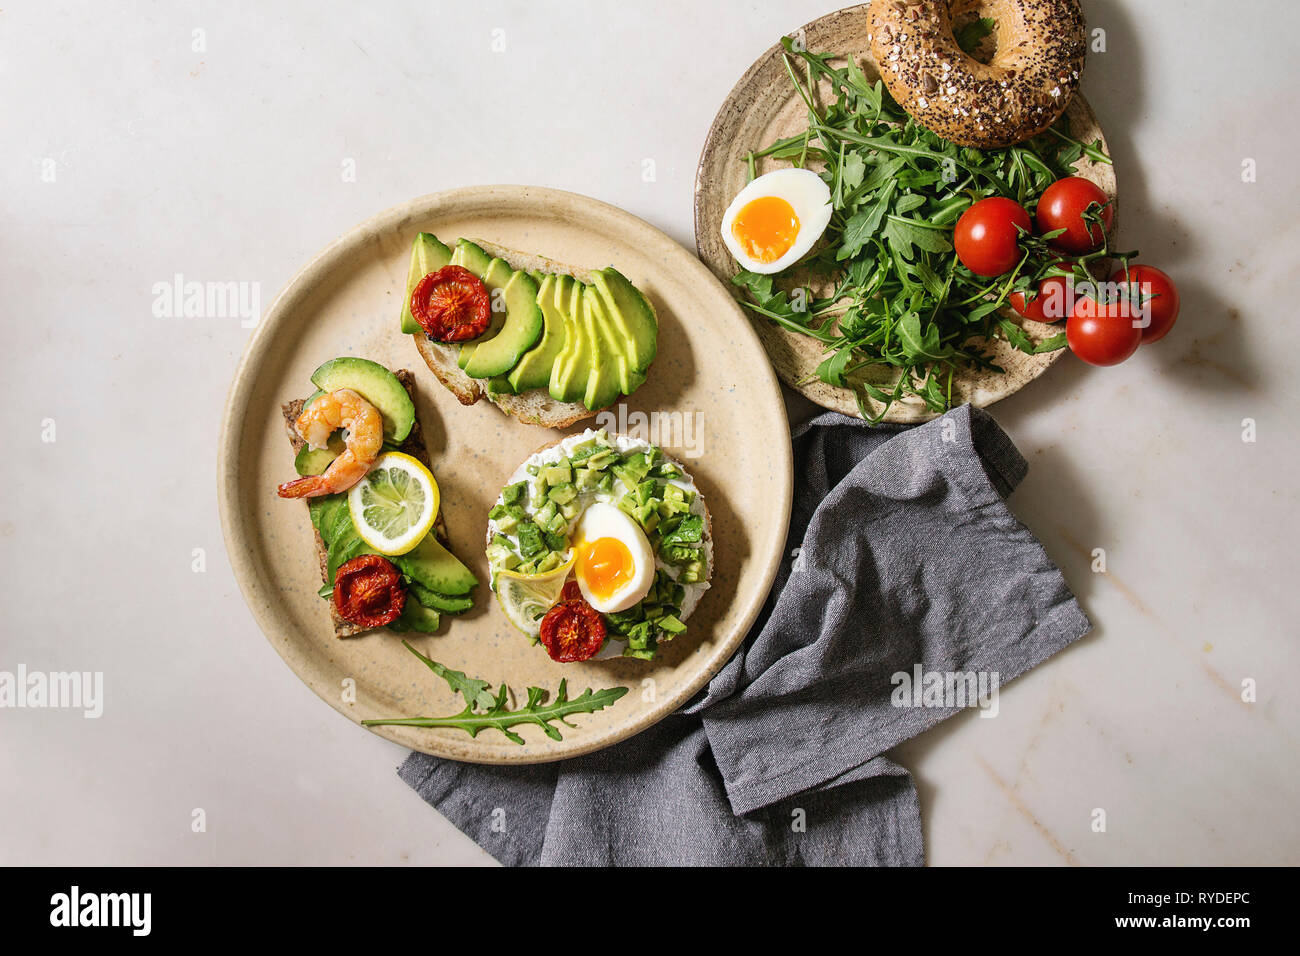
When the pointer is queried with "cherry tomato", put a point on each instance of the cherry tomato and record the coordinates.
(451, 305)
(1053, 301)
(1150, 288)
(572, 631)
(368, 591)
(571, 592)
(986, 236)
(1102, 333)
(1062, 207)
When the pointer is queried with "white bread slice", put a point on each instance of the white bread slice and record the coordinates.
(533, 407)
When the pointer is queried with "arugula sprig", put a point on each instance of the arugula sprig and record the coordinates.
(486, 709)
(899, 307)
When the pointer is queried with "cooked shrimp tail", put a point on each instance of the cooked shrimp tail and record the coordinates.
(328, 413)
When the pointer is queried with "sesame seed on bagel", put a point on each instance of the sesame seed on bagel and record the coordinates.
(1040, 50)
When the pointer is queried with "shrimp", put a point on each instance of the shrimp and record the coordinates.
(340, 409)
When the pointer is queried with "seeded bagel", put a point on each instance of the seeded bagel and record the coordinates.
(1040, 50)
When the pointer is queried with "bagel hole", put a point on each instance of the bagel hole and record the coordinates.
(976, 32)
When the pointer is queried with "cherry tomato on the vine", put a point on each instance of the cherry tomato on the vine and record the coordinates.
(986, 236)
(1062, 207)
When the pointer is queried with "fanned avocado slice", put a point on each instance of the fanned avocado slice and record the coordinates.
(603, 384)
(570, 371)
(534, 367)
(434, 567)
(375, 384)
(427, 255)
(489, 357)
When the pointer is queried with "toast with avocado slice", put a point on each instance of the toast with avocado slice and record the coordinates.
(441, 584)
(563, 343)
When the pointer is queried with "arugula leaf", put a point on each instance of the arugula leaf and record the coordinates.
(890, 290)
(485, 710)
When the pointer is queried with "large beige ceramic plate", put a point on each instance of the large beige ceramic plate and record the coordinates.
(710, 370)
(764, 107)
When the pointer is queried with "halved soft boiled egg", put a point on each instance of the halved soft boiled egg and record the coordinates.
(774, 221)
(615, 566)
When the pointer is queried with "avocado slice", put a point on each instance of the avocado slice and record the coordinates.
(603, 378)
(448, 603)
(313, 461)
(434, 567)
(631, 313)
(534, 367)
(417, 617)
(489, 357)
(427, 255)
(570, 371)
(496, 275)
(376, 385)
(621, 345)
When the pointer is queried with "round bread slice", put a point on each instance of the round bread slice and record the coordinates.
(707, 537)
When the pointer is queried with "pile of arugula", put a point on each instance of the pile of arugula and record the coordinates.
(898, 301)
(487, 709)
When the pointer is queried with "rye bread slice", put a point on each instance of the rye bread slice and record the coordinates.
(413, 446)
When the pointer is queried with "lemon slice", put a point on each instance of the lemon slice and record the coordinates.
(395, 505)
(527, 597)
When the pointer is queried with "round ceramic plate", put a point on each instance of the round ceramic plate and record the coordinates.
(728, 426)
(764, 107)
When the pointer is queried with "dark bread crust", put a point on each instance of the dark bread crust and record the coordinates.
(413, 446)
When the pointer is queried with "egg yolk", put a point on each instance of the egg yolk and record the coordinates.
(766, 228)
(605, 565)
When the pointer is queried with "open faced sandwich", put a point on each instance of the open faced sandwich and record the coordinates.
(548, 343)
(600, 545)
(365, 473)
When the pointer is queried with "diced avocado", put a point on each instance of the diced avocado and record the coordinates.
(548, 563)
(584, 479)
(497, 354)
(446, 603)
(583, 450)
(694, 572)
(569, 373)
(417, 617)
(606, 483)
(312, 461)
(671, 623)
(502, 556)
(534, 367)
(433, 566)
(604, 377)
(602, 459)
(507, 522)
(530, 540)
(514, 494)
(571, 509)
(666, 469)
(427, 255)
(563, 494)
(375, 384)
(545, 513)
(631, 312)
(558, 525)
(557, 474)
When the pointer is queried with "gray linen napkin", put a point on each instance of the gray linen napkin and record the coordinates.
(902, 554)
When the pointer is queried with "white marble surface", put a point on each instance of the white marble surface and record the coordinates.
(227, 163)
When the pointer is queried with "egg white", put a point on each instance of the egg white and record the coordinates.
(602, 520)
(807, 195)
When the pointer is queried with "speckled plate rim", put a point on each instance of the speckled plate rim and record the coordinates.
(777, 341)
(314, 670)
